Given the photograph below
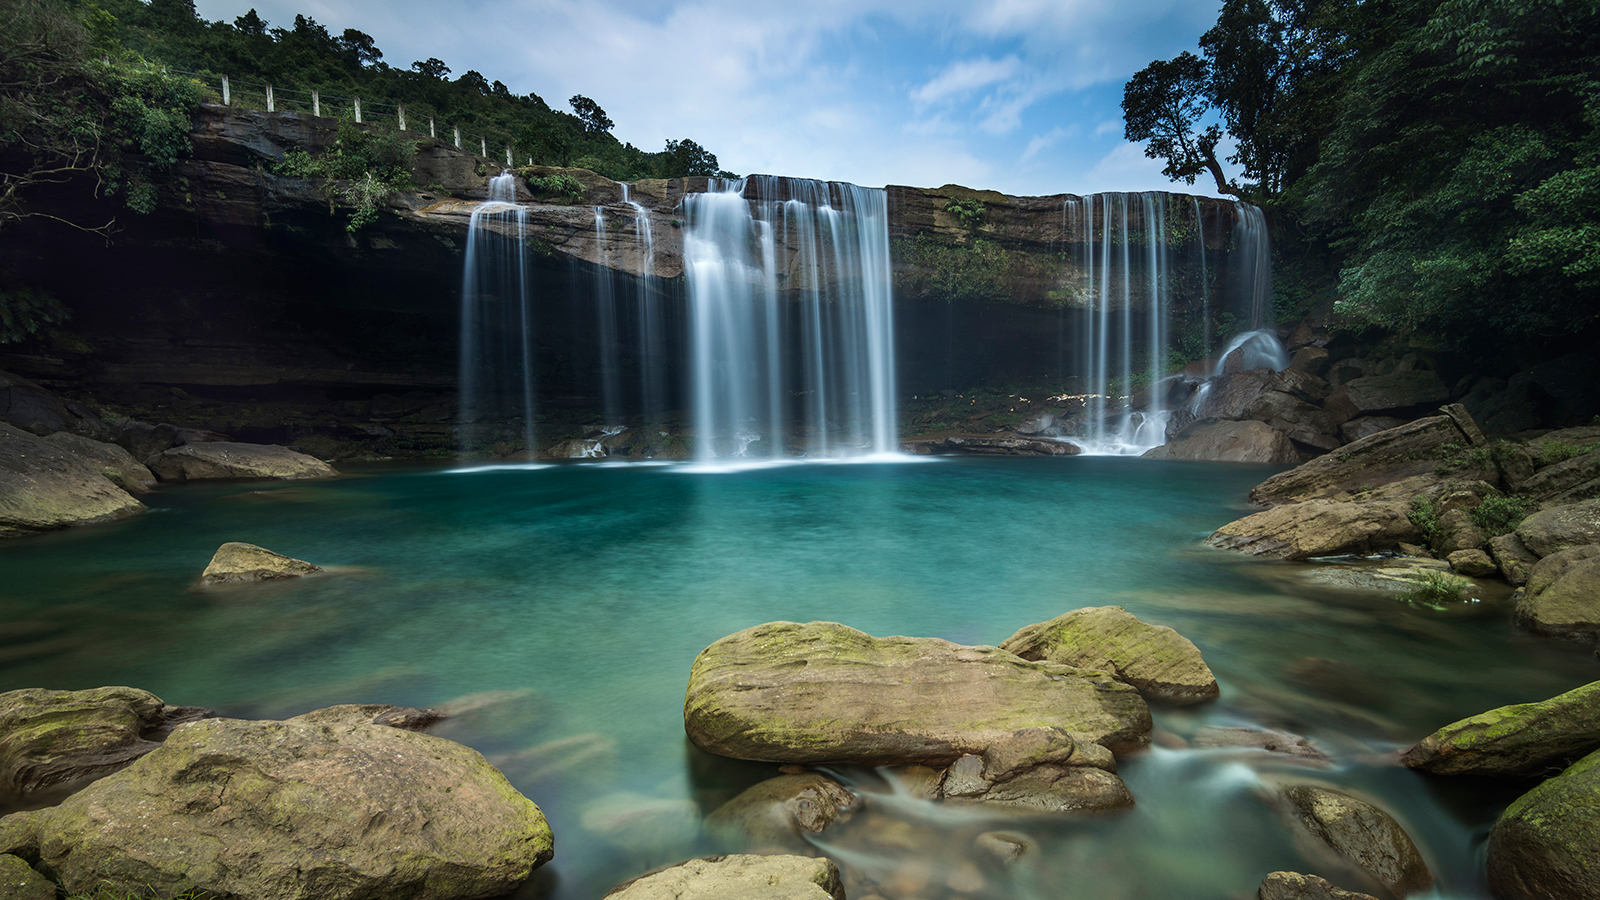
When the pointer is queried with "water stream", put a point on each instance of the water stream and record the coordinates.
(556, 610)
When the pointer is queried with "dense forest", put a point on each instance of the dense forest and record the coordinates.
(1435, 164)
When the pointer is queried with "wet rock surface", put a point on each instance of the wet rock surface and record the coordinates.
(1414, 449)
(1542, 846)
(239, 563)
(44, 487)
(1161, 663)
(738, 875)
(1523, 740)
(1363, 834)
(823, 692)
(50, 737)
(777, 812)
(1295, 886)
(1280, 742)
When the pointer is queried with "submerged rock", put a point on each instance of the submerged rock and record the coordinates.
(1363, 834)
(291, 810)
(826, 693)
(1514, 741)
(1543, 845)
(778, 811)
(1163, 664)
(1295, 886)
(51, 737)
(743, 876)
(1041, 769)
(1280, 742)
(220, 460)
(1562, 598)
(1222, 440)
(1319, 528)
(239, 563)
(406, 717)
(44, 487)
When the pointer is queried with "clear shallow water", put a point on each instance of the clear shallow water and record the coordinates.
(557, 609)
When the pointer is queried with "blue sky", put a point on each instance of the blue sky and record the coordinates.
(1020, 96)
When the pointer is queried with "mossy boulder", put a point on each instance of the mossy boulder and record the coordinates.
(1543, 845)
(1562, 597)
(1514, 741)
(826, 693)
(239, 563)
(43, 487)
(18, 881)
(1363, 834)
(1561, 528)
(744, 876)
(290, 811)
(1161, 663)
(50, 738)
(1295, 886)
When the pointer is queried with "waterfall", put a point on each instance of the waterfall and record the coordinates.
(791, 324)
(652, 330)
(605, 308)
(497, 359)
(1253, 249)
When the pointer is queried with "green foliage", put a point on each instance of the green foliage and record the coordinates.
(361, 169)
(977, 273)
(25, 311)
(1424, 514)
(684, 158)
(1436, 590)
(558, 187)
(1501, 514)
(968, 212)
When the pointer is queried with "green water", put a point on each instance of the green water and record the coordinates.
(558, 609)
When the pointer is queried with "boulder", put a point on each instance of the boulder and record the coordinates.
(1319, 528)
(1002, 445)
(1295, 417)
(1279, 742)
(239, 563)
(1576, 474)
(1385, 393)
(1559, 528)
(292, 810)
(1217, 440)
(1454, 530)
(31, 408)
(1041, 769)
(18, 881)
(1512, 558)
(777, 812)
(1471, 563)
(215, 460)
(1506, 407)
(1363, 834)
(1305, 385)
(1161, 663)
(43, 487)
(826, 693)
(1229, 396)
(49, 738)
(744, 876)
(1562, 598)
(109, 460)
(1366, 426)
(1518, 741)
(1295, 886)
(1555, 447)
(1543, 845)
(1411, 450)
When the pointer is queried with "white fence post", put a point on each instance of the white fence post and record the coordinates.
(509, 163)
(483, 146)
(358, 110)
(316, 103)
(271, 106)
(458, 136)
(430, 128)
(225, 96)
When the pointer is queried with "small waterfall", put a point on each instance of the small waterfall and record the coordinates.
(791, 324)
(497, 359)
(652, 330)
(605, 307)
(1252, 247)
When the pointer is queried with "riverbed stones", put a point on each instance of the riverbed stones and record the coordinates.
(1559, 528)
(1295, 886)
(224, 460)
(745, 876)
(44, 487)
(1562, 597)
(1221, 440)
(823, 692)
(1521, 740)
(109, 460)
(1543, 845)
(50, 737)
(1161, 663)
(1363, 834)
(778, 812)
(292, 811)
(1411, 450)
(239, 563)
(1319, 528)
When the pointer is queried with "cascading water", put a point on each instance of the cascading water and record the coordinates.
(652, 340)
(497, 358)
(818, 369)
(1258, 346)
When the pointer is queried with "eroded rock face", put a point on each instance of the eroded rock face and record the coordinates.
(1414, 449)
(1363, 834)
(1161, 663)
(239, 563)
(1542, 847)
(740, 875)
(1514, 741)
(778, 811)
(1319, 528)
(1295, 886)
(291, 810)
(1562, 598)
(823, 692)
(1560, 528)
(1220, 440)
(54, 737)
(218, 460)
(43, 487)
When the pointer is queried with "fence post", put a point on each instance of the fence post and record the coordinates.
(225, 96)
(430, 128)
(400, 112)
(458, 136)
(358, 110)
(271, 106)
(483, 146)
(509, 163)
(316, 103)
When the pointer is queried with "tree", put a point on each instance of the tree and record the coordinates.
(595, 120)
(359, 47)
(250, 23)
(433, 68)
(685, 157)
(1163, 105)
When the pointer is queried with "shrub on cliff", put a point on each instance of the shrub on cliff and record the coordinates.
(361, 170)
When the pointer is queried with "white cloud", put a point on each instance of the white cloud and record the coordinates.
(1110, 126)
(962, 78)
(1042, 141)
